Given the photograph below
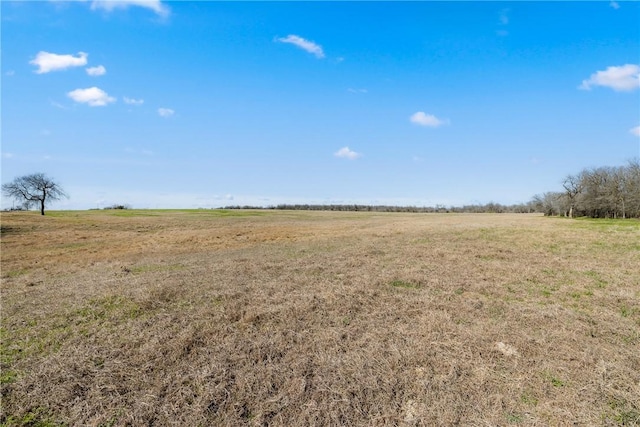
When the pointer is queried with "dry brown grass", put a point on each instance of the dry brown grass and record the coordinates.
(301, 318)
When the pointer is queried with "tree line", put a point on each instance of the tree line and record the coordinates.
(490, 207)
(601, 192)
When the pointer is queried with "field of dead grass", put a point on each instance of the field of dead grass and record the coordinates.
(113, 318)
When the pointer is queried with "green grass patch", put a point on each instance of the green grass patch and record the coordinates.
(554, 380)
(8, 376)
(528, 398)
(9, 352)
(139, 269)
(404, 284)
(547, 292)
(623, 413)
(113, 420)
(608, 224)
(216, 213)
(233, 212)
(487, 257)
(513, 418)
(12, 274)
(38, 417)
(631, 338)
(101, 309)
(599, 282)
(129, 212)
(626, 311)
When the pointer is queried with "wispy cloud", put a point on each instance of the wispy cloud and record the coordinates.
(47, 62)
(352, 90)
(132, 101)
(635, 131)
(165, 112)
(57, 105)
(10, 73)
(347, 153)
(504, 16)
(623, 78)
(614, 4)
(109, 5)
(7, 155)
(304, 44)
(96, 71)
(93, 96)
(504, 21)
(429, 120)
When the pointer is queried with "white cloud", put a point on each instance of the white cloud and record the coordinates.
(347, 153)
(635, 131)
(614, 4)
(109, 5)
(97, 71)
(352, 90)
(623, 78)
(304, 44)
(132, 101)
(502, 33)
(93, 96)
(7, 155)
(10, 73)
(165, 112)
(47, 62)
(429, 120)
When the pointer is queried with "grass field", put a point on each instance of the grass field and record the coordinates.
(256, 318)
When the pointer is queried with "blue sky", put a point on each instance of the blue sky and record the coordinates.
(206, 104)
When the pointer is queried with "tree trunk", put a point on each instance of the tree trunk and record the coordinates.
(42, 207)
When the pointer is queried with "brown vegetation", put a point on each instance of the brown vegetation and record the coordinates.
(318, 318)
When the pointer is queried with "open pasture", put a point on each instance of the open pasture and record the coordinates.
(318, 318)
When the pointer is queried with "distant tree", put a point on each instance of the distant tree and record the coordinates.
(34, 190)
(632, 186)
(117, 206)
(573, 186)
(550, 203)
(600, 192)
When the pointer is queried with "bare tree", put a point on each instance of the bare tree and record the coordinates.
(573, 187)
(602, 192)
(550, 203)
(35, 189)
(632, 187)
